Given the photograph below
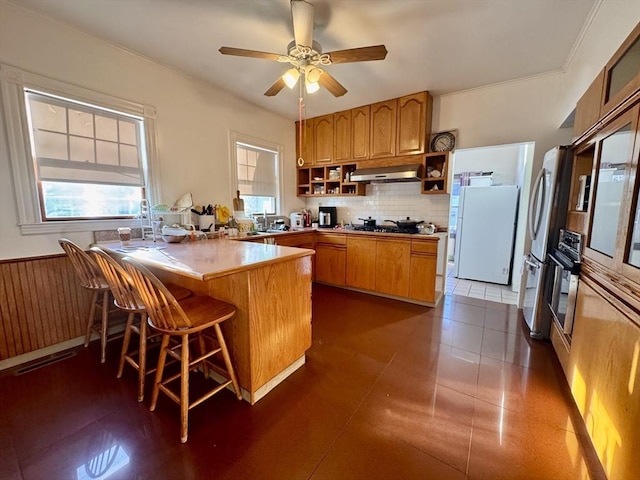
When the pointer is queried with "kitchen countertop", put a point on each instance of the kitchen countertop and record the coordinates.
(417, 236)
(207, 259)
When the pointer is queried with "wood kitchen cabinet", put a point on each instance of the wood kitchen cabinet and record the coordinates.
(392, 267)
(382, 140)
(304, 142)
(342, 136)
(413, 123)
(323, 129)
(331, 258)
(622, 73)
(613, 239)
(588, 107)
(422, 277)
(360, 126)
(437, 161)
(361, 263)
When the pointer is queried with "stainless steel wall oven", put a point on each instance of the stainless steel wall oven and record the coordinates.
(565, 262)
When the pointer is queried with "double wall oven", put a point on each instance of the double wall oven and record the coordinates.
(565, 264)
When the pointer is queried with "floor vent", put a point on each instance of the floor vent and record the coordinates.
(43, 362)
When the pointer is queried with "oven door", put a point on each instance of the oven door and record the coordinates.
(562, 295)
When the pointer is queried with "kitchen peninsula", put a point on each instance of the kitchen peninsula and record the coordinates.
(270, 287)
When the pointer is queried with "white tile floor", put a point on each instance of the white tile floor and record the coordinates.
(487, 291)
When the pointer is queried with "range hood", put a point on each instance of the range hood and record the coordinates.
(397, 173)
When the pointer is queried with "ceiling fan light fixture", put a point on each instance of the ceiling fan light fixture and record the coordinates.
(312, 73)
(312, 87)
(290, 77)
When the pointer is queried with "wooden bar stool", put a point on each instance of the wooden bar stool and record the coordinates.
(186, 319)
(92, 280)
(126, 299)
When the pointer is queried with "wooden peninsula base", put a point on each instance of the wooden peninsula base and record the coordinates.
(269, 285)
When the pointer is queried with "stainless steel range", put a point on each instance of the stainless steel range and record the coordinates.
(566, 261)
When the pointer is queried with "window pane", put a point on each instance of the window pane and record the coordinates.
(258, 204)
(107, 153)
(106, 128)
(128, 156)
(48, 117)
(80, 123)
(51, 145)
(69, 200)
(127, 132)
(609, 190)
(81, 149)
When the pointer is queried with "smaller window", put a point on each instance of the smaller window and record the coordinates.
(88, 161)
(257, 173)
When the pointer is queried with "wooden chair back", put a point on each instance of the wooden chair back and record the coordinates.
(163, 309)
(118, 279)
(86, 269)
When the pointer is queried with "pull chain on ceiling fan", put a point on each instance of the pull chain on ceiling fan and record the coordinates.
(306, 57)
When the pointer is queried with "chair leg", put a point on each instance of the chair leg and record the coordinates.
(103, 332)
(184, 389)
(160, 369)
(92, 312)
(142, 356)
(227, 360)
(125, 343)
(205, 367)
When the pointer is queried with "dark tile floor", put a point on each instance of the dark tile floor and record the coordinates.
(389, 391)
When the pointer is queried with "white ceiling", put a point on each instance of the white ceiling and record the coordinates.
(438, 45)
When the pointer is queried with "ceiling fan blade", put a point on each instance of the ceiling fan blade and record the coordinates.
(362, 54)
(335, 88)
(302, 15)
(275, 88)
(241, 52)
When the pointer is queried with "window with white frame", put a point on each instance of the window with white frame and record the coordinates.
(80, 160)
(88, 160)
(257, 168)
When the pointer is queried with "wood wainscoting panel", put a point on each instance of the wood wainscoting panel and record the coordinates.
(41, 304)
(604, 377)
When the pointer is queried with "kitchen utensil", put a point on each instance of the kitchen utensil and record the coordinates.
(193, 210)
(408, 223)
(238, 203)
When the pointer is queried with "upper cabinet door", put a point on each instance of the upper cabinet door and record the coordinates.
(383, 129)
(360, 118)
(323, 137)
(615, 195)
(588, 107)
(304, 142)
(622, 73)
(412, 123)
(342, 136)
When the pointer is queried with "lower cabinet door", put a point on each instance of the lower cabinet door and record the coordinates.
(361, 263)
(392, 267)
(422, 283)
(331, 262)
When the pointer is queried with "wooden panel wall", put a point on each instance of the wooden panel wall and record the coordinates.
(41, 304)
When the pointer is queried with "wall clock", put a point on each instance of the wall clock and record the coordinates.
(443, 142)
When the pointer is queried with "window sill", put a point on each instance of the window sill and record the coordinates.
(75, 226)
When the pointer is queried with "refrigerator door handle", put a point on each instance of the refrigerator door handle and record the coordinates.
(532, 265)
(534, 224)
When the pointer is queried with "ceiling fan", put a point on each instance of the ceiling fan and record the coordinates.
(305, 55)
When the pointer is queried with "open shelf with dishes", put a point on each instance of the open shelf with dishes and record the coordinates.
(435, 173)
(328, 180)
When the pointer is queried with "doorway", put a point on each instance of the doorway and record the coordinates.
(497, 165)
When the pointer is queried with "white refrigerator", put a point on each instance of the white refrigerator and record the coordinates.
(485, 232)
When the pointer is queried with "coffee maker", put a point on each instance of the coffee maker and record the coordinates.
(327, 217)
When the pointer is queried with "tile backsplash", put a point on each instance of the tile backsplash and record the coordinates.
(388, 201)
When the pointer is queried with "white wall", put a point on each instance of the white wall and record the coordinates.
(502, 160)
(193, 117)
